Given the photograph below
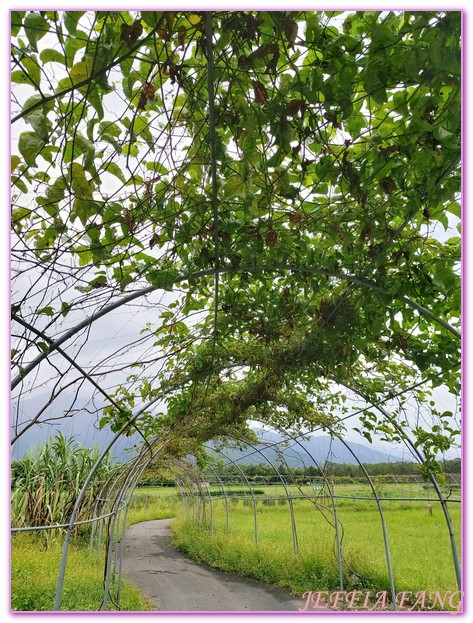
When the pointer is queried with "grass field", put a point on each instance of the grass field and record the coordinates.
(34, 576)
(35, 566)
(419, 543)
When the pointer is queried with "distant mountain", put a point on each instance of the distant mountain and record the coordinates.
(304, 452)
(83, 426)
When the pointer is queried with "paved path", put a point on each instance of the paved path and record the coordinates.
(174, 582)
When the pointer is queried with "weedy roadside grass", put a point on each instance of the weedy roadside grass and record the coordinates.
(419, 545)
(35, 563)
(34, 571)
(152, 503)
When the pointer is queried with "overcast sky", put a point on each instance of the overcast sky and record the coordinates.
(123, 325)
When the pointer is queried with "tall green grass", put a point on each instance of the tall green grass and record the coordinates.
(419, 545)
(46, 483)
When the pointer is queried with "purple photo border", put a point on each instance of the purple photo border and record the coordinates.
(342, 6)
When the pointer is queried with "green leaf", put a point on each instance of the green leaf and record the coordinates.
(81, 71)
(56, 192)
(52, 56)
(16, 22)
(73, 44)
(36, 99)
(21, 77)
(19, 214)
(84, 209)
(65, 308)
(71, 20)
(14, 162)
(234, 187)
(103, 422)
(114, 169)
(48, 311)
(156, 167)
(48, 151)
(143, 132)
(435, 51)
(152, 18)
(36, 27)
(19, 183)
(43, 347)
(453, 207)
(373, 84)
(80, 146)
(126, 67)
(88, 149)
(81, 186)
(444, 278)
(40, 124)
(30, 146)
(95, 99)
(162, 279)
(109, 128)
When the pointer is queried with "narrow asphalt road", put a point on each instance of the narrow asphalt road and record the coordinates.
(174, 582)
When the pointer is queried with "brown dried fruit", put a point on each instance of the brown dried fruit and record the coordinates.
(155, 239)
(181, 35)
(290, 30)
(164, 34)
(149, 90)
(388, 185)
(142, 102)
(271, 238)
(295, 218)
(129, 35)
(294, 107)
(332, 118)
(362, 197)
(261, 95)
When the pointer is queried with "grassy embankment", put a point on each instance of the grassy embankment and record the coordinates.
(419, 543)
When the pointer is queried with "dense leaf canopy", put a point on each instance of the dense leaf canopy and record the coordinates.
(280, 190)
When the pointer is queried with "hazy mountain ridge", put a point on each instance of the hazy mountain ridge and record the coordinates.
(83, 426)
(307, 451)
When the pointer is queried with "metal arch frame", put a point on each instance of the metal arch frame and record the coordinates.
(225, 496)
(117, 508)
(381, 516)
(332, 498)
(376, 497)
(295, 545)
(416, 452)
(65, 551)
(131, 475)
(250, 488)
